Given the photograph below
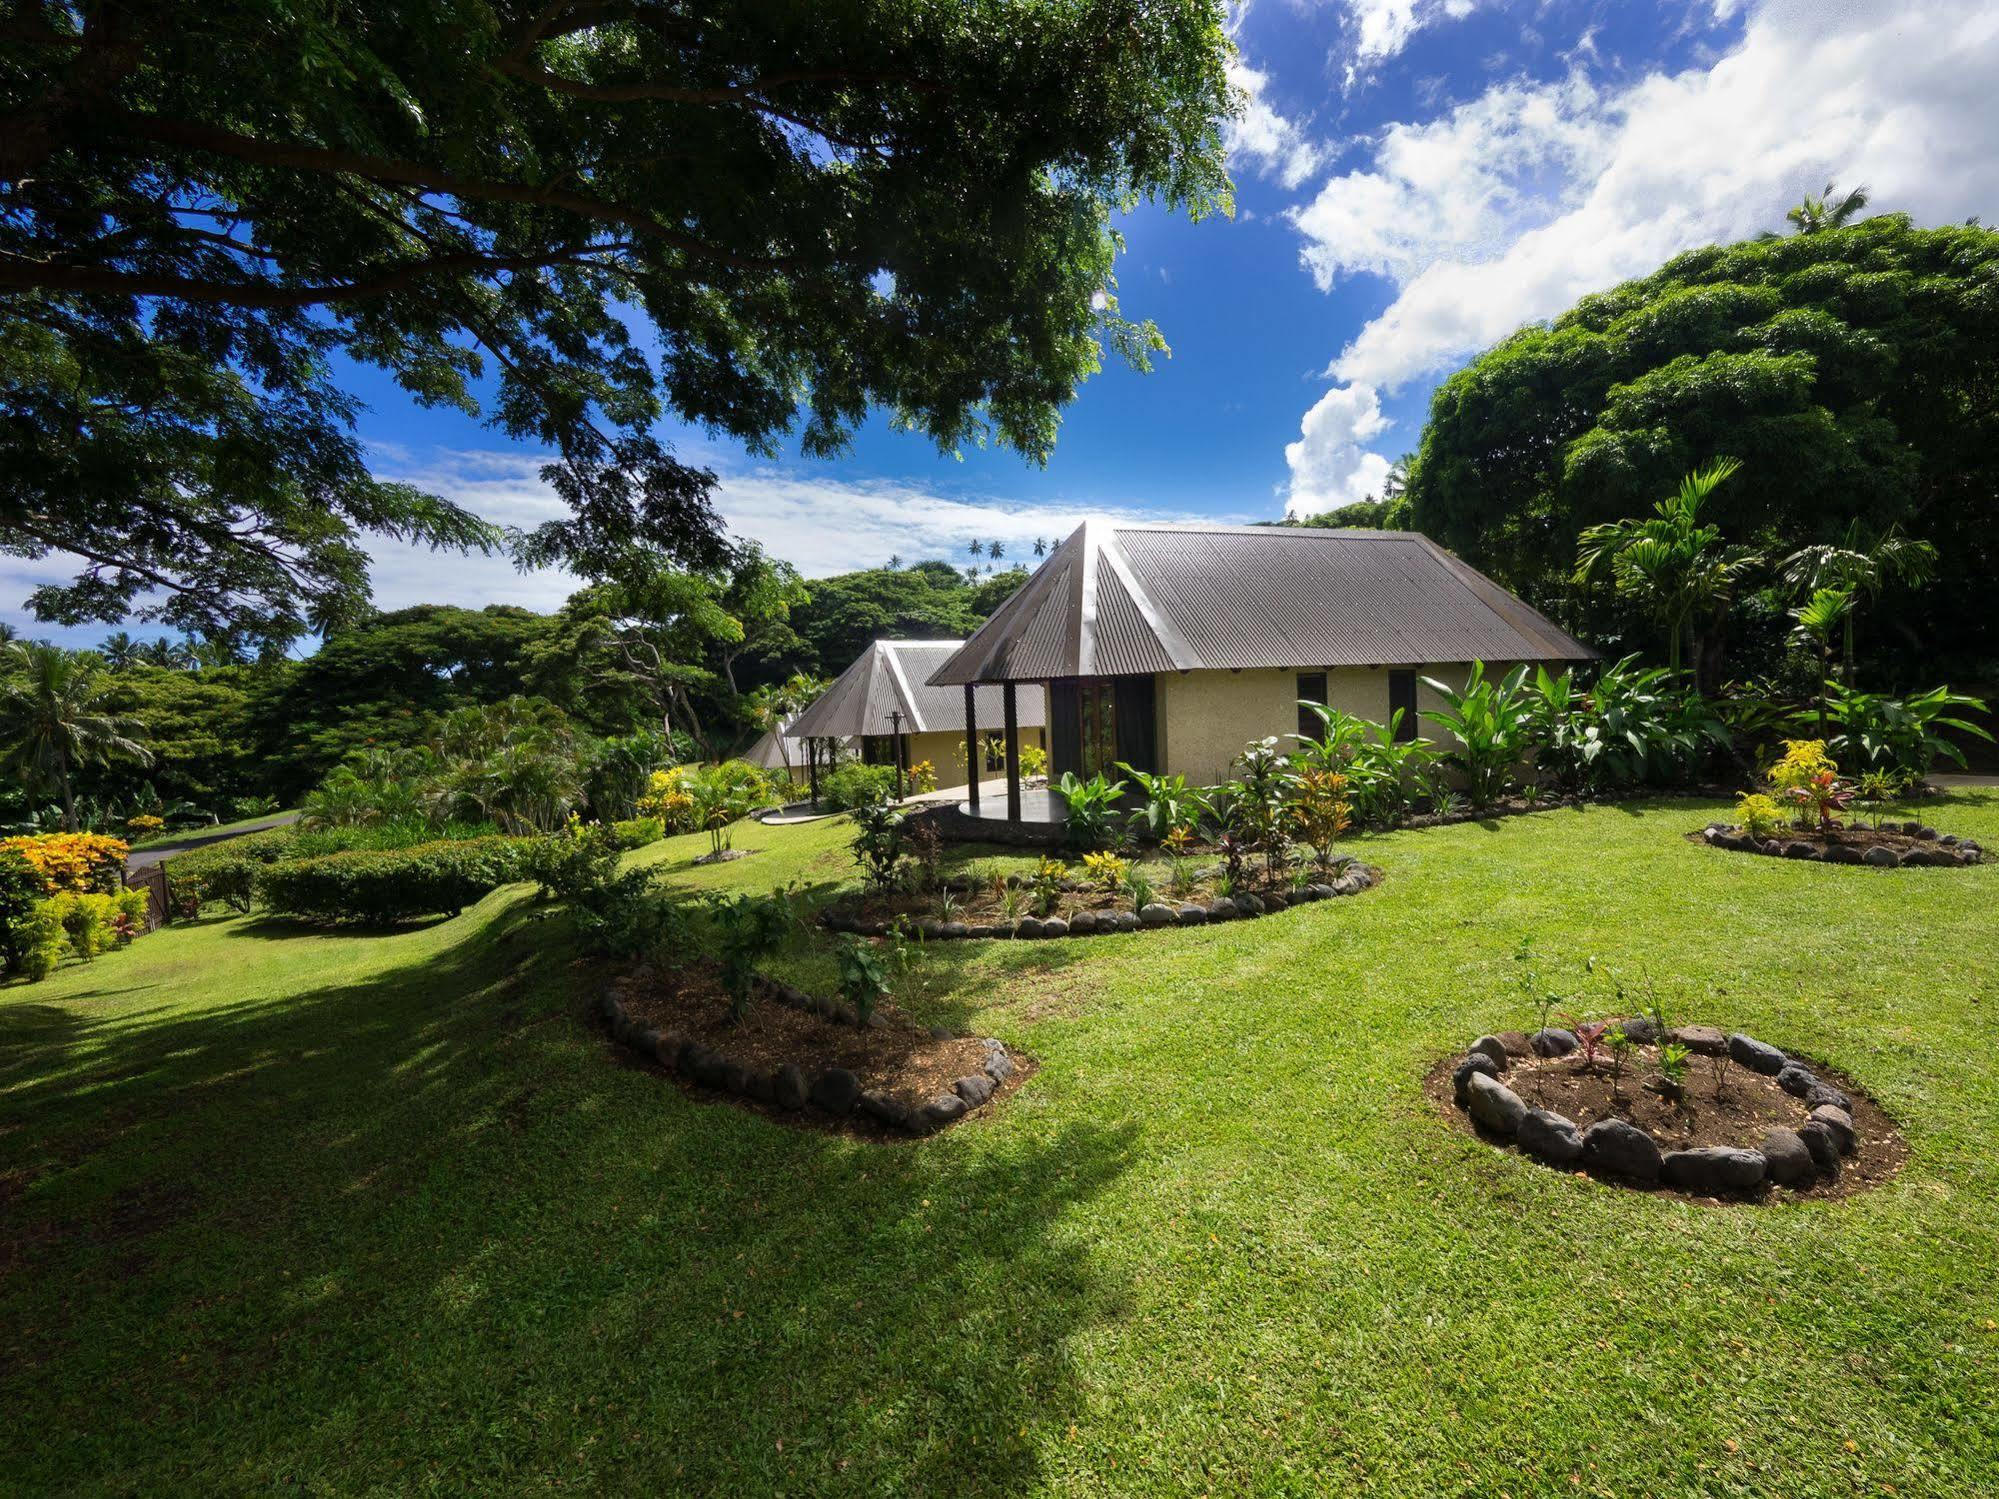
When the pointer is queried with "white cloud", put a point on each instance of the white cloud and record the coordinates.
(1265, 140)
(1329, 467)
(1382, 28)
(1577, 189)
(818, 523)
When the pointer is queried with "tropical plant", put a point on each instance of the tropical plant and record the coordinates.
(54, 721)
(1171, 805)
(1089, 807)
(1673, 1069)
(1901, 735)
(72, 863)
(863, 978)
(1262, 809)
(1619, 1045)
(856, 785)
(1138, 888)
(1878, 791)
(1830, 210)
(1861, 567)
(922, 778)
(1818, 797)
(748, 929)
(720, 801)
(1320, 811)
(878, 842)
(1489, 720)
(1033, 761)
(1046, 885)
(1815, 621)
(1758, 816)
(1590, 1031)
(1340, 739)
(1106, 871)
(1673, 565)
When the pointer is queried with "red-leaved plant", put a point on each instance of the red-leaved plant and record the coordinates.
(1591, 1034)
(1820, 797)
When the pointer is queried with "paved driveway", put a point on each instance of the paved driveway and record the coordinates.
(146, 858)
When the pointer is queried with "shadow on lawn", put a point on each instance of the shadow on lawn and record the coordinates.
(424, 1225)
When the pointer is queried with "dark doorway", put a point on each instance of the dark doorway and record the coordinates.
(1095, 722)
(1402, 694)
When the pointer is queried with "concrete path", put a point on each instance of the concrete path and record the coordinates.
(1952, 781)
(146, 858)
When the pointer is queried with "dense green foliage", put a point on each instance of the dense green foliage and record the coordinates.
(1281, 1274)
(1851, 371)
(764, 218)
(382, 886)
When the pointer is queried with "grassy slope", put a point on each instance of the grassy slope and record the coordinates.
(351, 1213)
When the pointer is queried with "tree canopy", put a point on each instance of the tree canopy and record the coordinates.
(1852, 371)
(571, 218)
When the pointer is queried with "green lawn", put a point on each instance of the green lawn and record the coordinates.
(329, 1214)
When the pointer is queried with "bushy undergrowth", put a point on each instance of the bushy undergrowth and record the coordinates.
(857, 785)
(382, 886)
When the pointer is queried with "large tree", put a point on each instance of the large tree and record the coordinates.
(54, 721)
(570, 216)
(1854, 372)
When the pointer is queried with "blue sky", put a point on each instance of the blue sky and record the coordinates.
(1415, 179)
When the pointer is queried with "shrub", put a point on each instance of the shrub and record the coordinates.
(749, 929)
(1803, 761)
(1106, 871)
(1490, 720)
(637, 832)
(922, 778)
(73, 863)
(1047, 884)
(582, 857)
(856, 785)
(1901, 735)
(1321, 811)
(41, 941)
(20, 895)
(144, 825)
(878, 842)
(227, 871)
(1033, 760)
(93, 923)
(863, 979)
(666, 799)
(381, 886)
(1089, 807)
(1758, 816)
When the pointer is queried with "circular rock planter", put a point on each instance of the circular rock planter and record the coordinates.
(1078, 918)
(807, 1060)
(1895, 845)
(1750, 1120)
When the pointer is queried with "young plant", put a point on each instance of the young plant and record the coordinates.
(878, 843)
(1089, 807)
(1591, 1034)
(1758, 816)
(1106, 871)
(1180, 877)
(1489, 719)
(1011, 903)
(863, 978)
(1620, 1046)
(749, 929)
(926, 852)
(1047, 885)
(1138, 888)
(1321, 811)
(1673, 1068)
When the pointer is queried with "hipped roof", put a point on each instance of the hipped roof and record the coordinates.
(893, 676)
(1119, 599)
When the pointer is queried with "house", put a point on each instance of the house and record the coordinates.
(1169, 647)
(885, 704)
(783, 753)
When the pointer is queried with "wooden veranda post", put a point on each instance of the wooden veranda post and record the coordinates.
(1012, 708)
(812, 768)
(972, 744)
(895, 725)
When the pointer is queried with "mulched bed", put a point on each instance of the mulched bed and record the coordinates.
(1896, 845)
(979, 909)
(1747, 1107)
(897, 1067)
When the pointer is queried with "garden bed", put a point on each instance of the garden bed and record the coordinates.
(805, 1060)
(1748, 1119)
(1079, 908)
(1892, 846)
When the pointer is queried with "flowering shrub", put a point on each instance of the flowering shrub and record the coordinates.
(1758, 816)
(666, 799)
(144, 825)
(1321, 811)
(93, 923)
(669, 796)
(73, 863)
(1808, 780)
(922, 778)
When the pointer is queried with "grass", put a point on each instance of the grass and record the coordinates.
(336, 1213)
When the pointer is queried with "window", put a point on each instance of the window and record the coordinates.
(1311, 689)
(878, 749)
(1402, 695)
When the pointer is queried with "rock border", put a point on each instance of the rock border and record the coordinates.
(1621, 1152)
(1153, 916)
(1944, 850)
(834, 1091)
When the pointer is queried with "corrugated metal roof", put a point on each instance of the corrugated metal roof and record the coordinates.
(1118, 599)
(893, 676)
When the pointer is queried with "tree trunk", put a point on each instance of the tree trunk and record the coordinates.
(68, 794)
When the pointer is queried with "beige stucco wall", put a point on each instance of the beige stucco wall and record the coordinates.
(946, 750)
(1206, 717)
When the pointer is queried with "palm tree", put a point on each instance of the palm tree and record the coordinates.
(976, 547)
(53, 721)
(894, 561)
(1672, 564)
(1816, 619)
(1816, 215)
(996, 550)
(1041, 546)
(119, 651)
(1862, 570)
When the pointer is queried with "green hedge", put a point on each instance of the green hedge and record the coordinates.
(388, 885)
(224, 871)
(857, 785)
